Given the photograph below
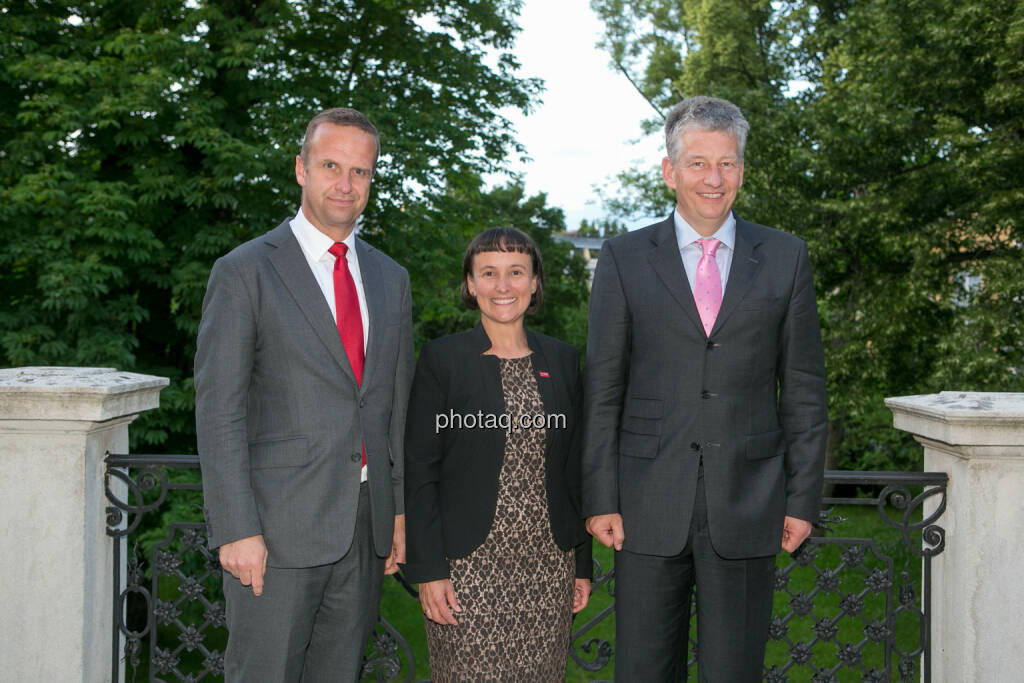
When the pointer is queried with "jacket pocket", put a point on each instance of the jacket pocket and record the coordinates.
(765, 445)
(292, 452)
(642, 416)
(638, 445)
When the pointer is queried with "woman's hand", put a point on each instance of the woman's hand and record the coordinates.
(580, 595)
(438, 601)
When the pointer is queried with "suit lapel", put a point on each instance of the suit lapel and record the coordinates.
(744, 268)
(542, 373)
(489, 370)
(668, 264)
(376, 302)
(545, 384)
(291, 266)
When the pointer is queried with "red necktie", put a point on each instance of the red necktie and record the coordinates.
(349, 319)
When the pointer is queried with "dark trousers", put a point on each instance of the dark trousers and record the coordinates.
(652, 611)
(311, 624)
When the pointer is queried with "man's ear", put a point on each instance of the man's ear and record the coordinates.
(668, 172)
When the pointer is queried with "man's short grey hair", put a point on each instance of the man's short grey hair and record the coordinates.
(704, 113)
(339, 116)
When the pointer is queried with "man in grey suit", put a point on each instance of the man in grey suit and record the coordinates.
(302, 373)
(704, 412)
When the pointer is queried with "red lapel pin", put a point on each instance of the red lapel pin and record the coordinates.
(542, 373)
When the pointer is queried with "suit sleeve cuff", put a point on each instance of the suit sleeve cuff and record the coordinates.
(422, 572)
(585, 559)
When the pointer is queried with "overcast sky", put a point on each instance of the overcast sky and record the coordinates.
(582, 133)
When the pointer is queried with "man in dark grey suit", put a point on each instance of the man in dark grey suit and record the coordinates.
(704, 412)
(302, 373)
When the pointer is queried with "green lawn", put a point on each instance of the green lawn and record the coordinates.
(823, 632)
(859, 578)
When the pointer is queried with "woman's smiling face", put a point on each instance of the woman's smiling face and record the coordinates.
(503, 283)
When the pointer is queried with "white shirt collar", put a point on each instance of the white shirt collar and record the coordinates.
(686, 235)
(315, 243)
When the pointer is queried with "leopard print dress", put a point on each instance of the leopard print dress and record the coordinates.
(516, 589)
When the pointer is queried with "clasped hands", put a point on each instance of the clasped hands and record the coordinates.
(608, 530)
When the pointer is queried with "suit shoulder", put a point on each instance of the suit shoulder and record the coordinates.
(447, 345)
(560, 347)
(256, 247)
(386, 262)
(559, 353)
(773, 235)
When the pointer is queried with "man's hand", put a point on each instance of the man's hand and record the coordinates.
(794, 532)
(397, 547)
(246, 560)
(580, 594)
(436, 597)
(607, 529)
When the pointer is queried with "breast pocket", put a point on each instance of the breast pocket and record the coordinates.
(760, 303)
(384, 345)
(757, 320)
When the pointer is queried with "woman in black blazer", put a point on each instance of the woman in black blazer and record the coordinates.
(492, 480)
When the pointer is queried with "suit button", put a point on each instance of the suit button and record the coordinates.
(711, 344)
(356, 457)
(705, 394)
(694, 446)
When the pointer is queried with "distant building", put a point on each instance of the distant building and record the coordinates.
(587, 247)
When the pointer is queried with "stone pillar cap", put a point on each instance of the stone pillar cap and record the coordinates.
(966, 418)
(68, 393)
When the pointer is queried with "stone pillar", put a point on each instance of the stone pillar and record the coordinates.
(977, 598)
(56, 573)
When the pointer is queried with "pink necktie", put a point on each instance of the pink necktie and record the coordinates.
(349, 319)
(707, 286)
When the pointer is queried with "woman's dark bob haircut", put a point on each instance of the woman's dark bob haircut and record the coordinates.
(503, 239)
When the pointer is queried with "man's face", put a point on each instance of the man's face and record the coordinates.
(705, 177)
(335, 178)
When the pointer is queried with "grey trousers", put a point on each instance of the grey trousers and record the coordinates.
(311, 624)
(652, 611)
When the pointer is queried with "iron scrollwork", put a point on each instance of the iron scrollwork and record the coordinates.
(179, 616)
(844, 604)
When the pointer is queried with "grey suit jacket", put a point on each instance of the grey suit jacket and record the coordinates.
(279, 416)
(661, 396)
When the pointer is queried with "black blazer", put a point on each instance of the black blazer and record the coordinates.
(451, 475)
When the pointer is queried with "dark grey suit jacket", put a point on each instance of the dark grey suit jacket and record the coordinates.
(279, 416)
(660, 395)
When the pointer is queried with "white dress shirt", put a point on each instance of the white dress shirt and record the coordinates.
(315, 245)
(691, 252)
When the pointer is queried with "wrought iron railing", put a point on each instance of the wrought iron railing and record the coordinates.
(847, 607)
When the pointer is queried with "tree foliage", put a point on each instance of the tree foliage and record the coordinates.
(601, 227)
(437, 241)
(140, 141)
(889, 135)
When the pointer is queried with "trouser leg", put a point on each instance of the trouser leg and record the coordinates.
(348, 609)
(734, 608)
(268, 634)
(652, 616)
